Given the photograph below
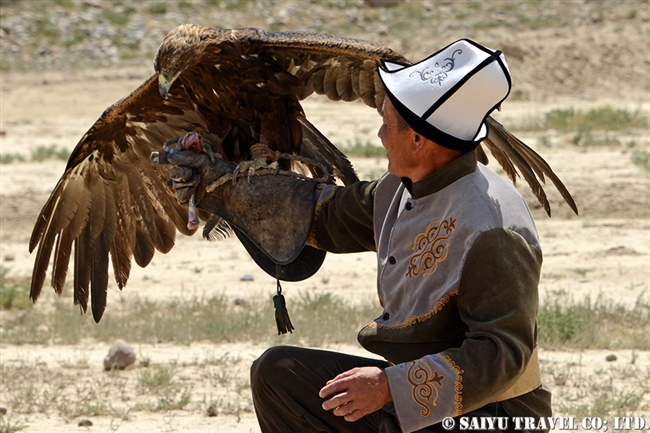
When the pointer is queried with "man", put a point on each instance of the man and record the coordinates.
(458, 269)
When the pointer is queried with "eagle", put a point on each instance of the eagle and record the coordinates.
(240, 87)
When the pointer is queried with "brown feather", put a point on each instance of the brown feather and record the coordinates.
(102, 244)
(481, 156)
(329, 82)
(344, 84)
(82, 268)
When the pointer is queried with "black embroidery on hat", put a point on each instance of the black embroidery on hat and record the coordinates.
(437, 74)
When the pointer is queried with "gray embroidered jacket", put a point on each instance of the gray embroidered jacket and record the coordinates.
(458, 268)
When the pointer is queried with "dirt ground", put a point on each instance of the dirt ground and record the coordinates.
(603, 252)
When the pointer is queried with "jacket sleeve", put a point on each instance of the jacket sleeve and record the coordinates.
(342, 220)
(498, 302)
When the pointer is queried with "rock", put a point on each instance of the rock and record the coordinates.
(247, 277)
(120, 356)
(382, 3)
(611, 358)
(213, 409)
(85, 423)
(3, 410)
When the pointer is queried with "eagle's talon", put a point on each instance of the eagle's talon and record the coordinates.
(167, 145)
(207, 149)
(217, 183)
(276, 166)
(180, 174)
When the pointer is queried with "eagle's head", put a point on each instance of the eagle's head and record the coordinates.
(181, 49)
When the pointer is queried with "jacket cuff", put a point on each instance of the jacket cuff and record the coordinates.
(426, 391)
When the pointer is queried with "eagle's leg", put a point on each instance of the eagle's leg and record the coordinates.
(261, 155)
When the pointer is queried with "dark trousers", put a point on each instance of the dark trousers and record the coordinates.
(285, 382)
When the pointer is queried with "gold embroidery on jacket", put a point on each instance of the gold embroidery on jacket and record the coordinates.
(458, 386)
(430, 248)
(415, 319)
(424, 380)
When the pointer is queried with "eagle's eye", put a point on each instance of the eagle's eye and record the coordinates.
(177, 66)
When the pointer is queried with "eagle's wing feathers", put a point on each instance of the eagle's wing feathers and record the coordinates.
(510, 152)
(111, 199)
(343, 69)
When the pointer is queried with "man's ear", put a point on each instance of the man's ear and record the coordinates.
(418, 141)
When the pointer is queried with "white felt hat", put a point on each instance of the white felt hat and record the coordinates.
(447, 96)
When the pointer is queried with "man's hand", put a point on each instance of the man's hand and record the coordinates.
(356, 393)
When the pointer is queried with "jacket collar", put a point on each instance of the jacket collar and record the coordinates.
(450, 173)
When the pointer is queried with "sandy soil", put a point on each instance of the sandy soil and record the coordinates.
(603, 252)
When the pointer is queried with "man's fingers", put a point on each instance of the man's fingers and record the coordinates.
(342, 376)
(337, 402)
(354, 416)
(333, 386)
(344, 410)
(337, 384)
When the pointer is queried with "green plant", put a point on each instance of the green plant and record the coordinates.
(586, 137)
(186, 321)
(160, 384)
(363, 149)
(157, 8)
(600, 118)
(8, 425)
(41, 153)
(641, 158)
(13, 295)
(8, 158)
(118, 18)
(593, 324)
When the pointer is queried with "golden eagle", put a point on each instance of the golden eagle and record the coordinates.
(238, 86)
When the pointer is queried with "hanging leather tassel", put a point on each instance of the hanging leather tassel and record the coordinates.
(282, 319)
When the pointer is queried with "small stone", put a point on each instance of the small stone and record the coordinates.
(213, 409)
(247, 277)
(85, 423)
(611, 358)
(3, 410)
(120, 356)
(8, 257)
(382, 3)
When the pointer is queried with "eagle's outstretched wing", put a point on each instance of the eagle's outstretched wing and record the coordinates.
(111, 199)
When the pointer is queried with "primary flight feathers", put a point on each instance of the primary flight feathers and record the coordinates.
(238, 86)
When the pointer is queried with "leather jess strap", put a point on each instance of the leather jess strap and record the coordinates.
(531, 379)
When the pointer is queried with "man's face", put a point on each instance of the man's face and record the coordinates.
(396, 141)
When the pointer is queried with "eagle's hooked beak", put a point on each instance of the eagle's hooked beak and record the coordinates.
(163, 86)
